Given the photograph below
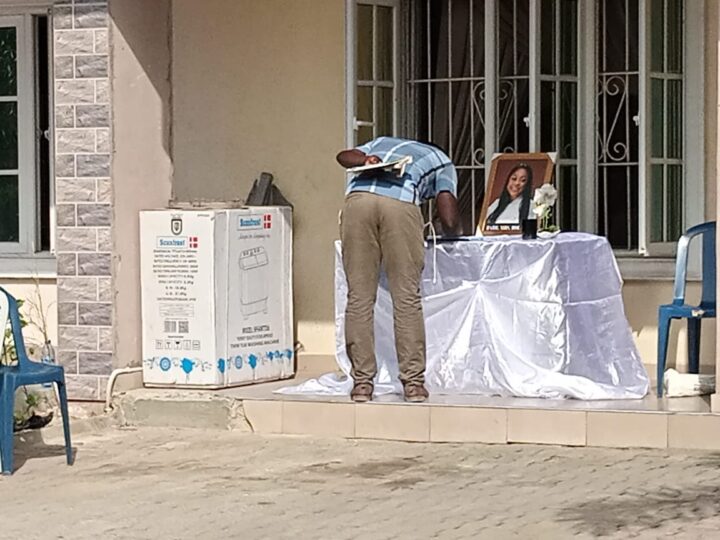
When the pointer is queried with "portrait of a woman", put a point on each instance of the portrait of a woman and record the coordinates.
(509, 192)
(513, 205)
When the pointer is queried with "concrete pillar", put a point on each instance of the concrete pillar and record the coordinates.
(83, 190)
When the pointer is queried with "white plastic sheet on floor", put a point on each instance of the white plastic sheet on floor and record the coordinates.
(509, 317)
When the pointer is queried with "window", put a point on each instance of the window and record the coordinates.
(640, 159)
(559, 87)
(665, 108)
(25, 186)
(603, 84)
(447, 91)
(618, 103)
(373, 86)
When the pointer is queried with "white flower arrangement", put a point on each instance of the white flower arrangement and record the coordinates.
(543, 202)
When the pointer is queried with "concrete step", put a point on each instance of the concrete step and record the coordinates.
(181, 409)
(648, 423)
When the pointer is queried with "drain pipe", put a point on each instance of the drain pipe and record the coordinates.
(111, 383)
(125, 371)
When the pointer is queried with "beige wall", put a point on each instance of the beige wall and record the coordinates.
(642, 299)
(712, 15)
(40, 297)
(142, 169)
(259, 86)
(713, 108)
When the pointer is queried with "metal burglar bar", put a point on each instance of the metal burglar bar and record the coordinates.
(617, 122)
(513, 63)
(490, 76)
(559, 100)
(446, 84)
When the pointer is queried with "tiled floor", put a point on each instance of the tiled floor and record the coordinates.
(648, 404)
(645, 423)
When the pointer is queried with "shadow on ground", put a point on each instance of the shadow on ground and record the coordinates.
(31, 445)
(373, 469)
(645, 509)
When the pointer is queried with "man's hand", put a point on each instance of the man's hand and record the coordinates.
(356, 158)
(447, 211)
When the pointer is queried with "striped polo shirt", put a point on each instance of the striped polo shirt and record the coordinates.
(431, 171)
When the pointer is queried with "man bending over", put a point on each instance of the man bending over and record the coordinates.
(381, 223)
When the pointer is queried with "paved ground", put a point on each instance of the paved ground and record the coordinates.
(159, 484)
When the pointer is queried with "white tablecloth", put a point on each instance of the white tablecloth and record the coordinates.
(509, 317)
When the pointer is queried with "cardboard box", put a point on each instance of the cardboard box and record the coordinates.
(216, 296)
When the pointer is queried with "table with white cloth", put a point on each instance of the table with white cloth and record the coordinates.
(509, 317)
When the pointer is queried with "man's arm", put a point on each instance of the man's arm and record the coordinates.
(355, 158)
(447, 211)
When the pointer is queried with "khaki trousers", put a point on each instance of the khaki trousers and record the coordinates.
(379, 230)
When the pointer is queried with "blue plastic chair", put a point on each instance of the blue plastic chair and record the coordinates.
(679, 309)
(24, 373)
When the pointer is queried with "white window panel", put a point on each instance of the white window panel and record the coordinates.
(372, 82)
(17, 146)
(674, 162)
(31, 215)
(663, 159)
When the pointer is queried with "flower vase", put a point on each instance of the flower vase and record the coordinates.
(529, 229)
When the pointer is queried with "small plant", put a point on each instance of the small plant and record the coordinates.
(27, 415)
(38, 318)
(9, 353)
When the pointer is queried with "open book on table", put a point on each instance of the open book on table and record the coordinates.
(397, 166)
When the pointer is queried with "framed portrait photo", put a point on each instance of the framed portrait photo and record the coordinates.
(511, 185)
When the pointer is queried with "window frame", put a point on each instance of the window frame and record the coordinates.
(24, 258)
(692, 161)
(351, 83)
(25, 99)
